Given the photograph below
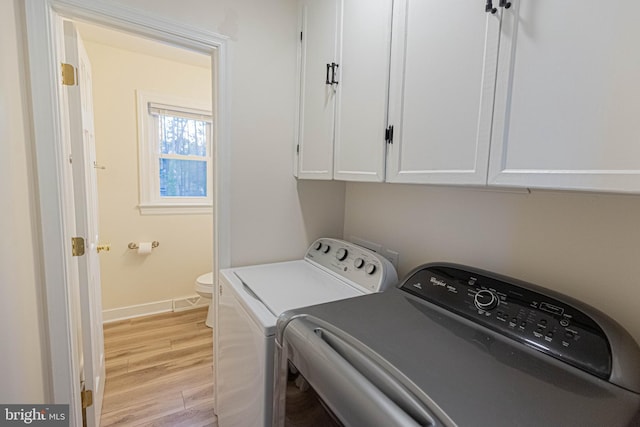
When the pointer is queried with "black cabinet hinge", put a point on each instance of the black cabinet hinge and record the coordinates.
(298, 149)
(388, 135)
(300, 35)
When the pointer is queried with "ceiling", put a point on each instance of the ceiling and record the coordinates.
(126, 41)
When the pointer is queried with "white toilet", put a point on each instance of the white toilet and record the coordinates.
(204, 288)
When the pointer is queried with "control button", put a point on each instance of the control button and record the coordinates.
(569, 334)
(539, 330)
(543, 322)
(317, 246)
(523, 324)
(514, 320)
(326, 249)
(564, 322)
(358, 263)
(485, 299)
(370, 268)
(549, 334)
(341, 254)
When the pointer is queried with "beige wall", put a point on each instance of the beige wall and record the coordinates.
(272, 216)
(22, 355)
(584, 245)
(185, 250)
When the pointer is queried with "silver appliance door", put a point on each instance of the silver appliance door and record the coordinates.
(355, 389)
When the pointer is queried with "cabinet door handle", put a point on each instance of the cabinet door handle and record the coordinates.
(489, 7)
(334, 67)
(505, 3)
(327, 81)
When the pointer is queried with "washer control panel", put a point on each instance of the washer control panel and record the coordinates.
(359, 266)
(537, 320)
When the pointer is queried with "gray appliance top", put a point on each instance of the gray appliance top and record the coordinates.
(477, 374)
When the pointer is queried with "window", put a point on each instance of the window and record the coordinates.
(175, 141)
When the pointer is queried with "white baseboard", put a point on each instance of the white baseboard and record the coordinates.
(177, 304)
(132, 311)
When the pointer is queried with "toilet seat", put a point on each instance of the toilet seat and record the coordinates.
(204, 283)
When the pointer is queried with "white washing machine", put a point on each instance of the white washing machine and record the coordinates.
(251, 298)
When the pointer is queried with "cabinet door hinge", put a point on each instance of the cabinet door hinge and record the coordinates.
(298, 149)
(77, 246)
(388, 135)
(300, 35)
(68, 74)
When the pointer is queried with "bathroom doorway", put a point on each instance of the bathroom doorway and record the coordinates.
(154, 125)
(44, 36)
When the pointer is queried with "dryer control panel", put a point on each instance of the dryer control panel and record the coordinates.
(359, 266)
(542, 322)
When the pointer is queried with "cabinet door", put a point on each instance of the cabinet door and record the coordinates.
(319, 24)
(443, 64)
(364, 43)
(567, 112)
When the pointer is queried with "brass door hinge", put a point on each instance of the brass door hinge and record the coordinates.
(77, 246)
(68, 74)
(87, 398)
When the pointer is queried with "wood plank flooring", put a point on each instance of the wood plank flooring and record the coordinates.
(159, 371)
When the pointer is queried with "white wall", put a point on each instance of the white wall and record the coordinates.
(584, 245)
(271, 214)
(22, 369)
(185, 250)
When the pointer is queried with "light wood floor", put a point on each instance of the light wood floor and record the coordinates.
(159, 371)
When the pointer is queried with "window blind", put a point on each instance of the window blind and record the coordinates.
(156, 109)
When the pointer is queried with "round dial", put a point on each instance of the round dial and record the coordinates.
(358, 263)
(370, 268)
(317, 246)
(326, 249)
(342, 254)
(486, 300)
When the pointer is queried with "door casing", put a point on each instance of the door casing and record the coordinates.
(42, 36)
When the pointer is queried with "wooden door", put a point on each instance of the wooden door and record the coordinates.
(566, 110)
(81, 130)
(364, 49)
(318, 33)
(443, 62)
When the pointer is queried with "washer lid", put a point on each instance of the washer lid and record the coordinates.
(285, 286)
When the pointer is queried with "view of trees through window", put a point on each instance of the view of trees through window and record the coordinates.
(183, 156)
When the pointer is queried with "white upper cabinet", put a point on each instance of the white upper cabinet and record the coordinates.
(361, 114)
(443, 68)
(344, 75)
(539, 94)
(567, 108)
(318, 32)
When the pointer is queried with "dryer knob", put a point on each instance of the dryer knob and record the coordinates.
(486, 300)
(370, 269)
(326, 249)
(317, 246)
(358, 263)
(342, 254)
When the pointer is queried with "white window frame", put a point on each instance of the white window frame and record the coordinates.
(151, 203)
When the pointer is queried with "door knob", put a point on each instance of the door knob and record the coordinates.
(105, 248)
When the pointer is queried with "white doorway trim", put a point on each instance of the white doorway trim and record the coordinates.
(45, 93)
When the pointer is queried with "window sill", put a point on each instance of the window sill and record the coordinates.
(176, 209)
